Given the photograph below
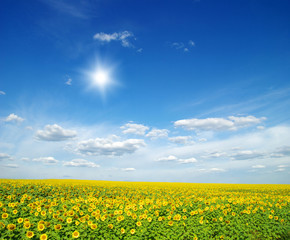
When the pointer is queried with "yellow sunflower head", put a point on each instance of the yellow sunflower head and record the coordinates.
(11, 227)
(29, 234)
(75, 234)
(43, 237)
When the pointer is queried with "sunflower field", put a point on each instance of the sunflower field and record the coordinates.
(75, 209)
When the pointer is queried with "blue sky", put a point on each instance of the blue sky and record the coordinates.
(187, 91)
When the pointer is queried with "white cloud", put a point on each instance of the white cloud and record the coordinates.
(246, 121)
(68, 81)
(169, 158)
(187, 160)
(182, 140)
(13, 118)
(215, 154)
(45, 160)
(140, 50)
(133, 128)
(217, 124)
(123, 37)
(191, 43)
(178, 45)
(55, 133)
(25, 159)
(128, 169)
(216, 170)
(5, 156)
(258, 166)
(282, 166)
(247, 154)
(107, 146)
(11, 166)
(2, 93)
(280, 170)
(183, 46)
(157, 133)
(178, 160)
(80, 163)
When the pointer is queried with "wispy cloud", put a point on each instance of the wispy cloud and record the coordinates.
(172, 158)
(2, 93)
(77, 9)
(247, 154)
(55, 133)
(258, 166)
(182, 140)
(218, 124)
(128, 169)
(68, 81)
(11, 166)
(182, 46)
(46, 160)
(5, 156)
(124, 38)
(157, 133)
(80, 163)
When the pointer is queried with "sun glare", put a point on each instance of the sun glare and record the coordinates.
(101, 78)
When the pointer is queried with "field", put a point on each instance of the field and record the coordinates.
(68, 209)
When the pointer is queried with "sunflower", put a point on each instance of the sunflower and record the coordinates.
(69, 220)
(132, 231)
(170, 223)
(93, 226)
(26, 225)
(29, 234)
(5, 215)
(119, 218)
(43, 237)
(11, 227)
(40, 227)
(138, 223)
(20, 220)
(75, 234)
(110, 226)
(57, 227)
(123, 230)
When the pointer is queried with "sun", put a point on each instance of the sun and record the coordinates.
(101, 79)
